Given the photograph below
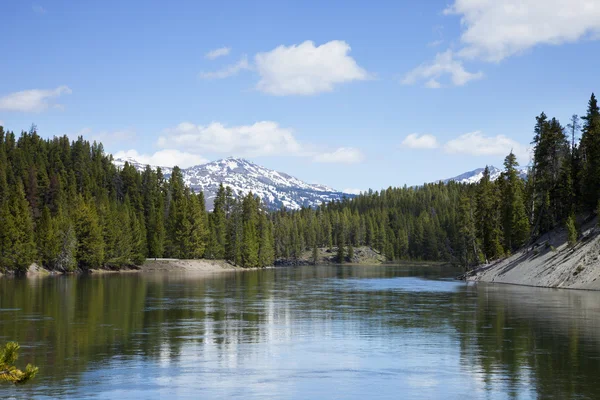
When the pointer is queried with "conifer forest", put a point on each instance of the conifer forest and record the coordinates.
(66, 207)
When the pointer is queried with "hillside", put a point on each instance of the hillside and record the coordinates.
(550, 262)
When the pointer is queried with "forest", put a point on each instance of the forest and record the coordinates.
(64, 205)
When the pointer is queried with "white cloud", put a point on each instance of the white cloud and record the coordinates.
(1, 123)
(163, 158)
(478, 144)
(34, 100)
(306, 69)
(444, 64)
(264, 138)
(38, 9)
(494, 30)
(416, 141)
(343, 155)
(352, 191)
(260, 139)
(228, 71)
(107, 138)
(216, 53)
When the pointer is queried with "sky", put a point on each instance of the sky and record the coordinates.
(350, 94)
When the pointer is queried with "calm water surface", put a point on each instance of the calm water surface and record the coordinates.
(301, 333)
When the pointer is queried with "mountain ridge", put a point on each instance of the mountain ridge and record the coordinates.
(276, 189)
(476, 175)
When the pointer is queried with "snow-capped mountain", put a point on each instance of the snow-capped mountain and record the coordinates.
(120, 162)
(276, 189)
(477, 174)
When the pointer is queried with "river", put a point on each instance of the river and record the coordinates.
(327, 332)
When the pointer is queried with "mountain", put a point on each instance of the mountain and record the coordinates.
(276, 189)
(476, 175)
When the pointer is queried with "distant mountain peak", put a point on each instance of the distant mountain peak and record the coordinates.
(476, 175)
(276, 189)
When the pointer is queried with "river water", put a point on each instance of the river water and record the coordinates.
(328, 332)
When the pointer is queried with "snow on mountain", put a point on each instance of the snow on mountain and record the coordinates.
(477, 174)
(276, 189)
(120, 162)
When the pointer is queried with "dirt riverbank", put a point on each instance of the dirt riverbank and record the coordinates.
(550, 262)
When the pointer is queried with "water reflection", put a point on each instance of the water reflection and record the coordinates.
(324, 332)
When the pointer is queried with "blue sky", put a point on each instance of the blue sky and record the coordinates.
(344, 93)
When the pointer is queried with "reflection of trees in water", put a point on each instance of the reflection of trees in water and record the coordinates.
(70, 324)
(549, 337)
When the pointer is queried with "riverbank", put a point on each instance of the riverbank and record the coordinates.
(550, 262)
(363, 255)
(168, 264)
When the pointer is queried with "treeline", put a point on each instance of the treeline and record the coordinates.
(64, 205)
(464, 224)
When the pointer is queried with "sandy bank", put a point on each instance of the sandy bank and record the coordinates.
(164, 264)
(550, 263)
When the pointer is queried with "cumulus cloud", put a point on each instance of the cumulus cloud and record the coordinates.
(352, 191)
(264, 138)
(163, 158)
(343, 155)
(34, 100)
(444, 64)
(259, 139)
(478, 144)
(416, 141)
(228, 71)
(216, 53)
(306, 69)
(494, 30)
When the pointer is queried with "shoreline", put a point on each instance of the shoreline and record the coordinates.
(549, 263)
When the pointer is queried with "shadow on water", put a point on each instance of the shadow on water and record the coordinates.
(331, 331)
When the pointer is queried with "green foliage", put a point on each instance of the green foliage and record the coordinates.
(65, 205)
(8, 371)
(90, 244)
(571, 230)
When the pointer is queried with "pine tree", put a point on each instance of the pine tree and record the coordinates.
(16, 237)
(218, 227)
(8, 371)
(571, 230)
(341, 257)
(590, 151)
(90, 245)
(266, 254)
(488, 218)
(48, 239)
(514, 219)
(197, 228)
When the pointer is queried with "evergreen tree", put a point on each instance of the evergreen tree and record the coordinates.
(590, 153)
(571, 230)
(90, 245)
(488, 218)
(16, 236)
(266, 254)
(48, 239)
